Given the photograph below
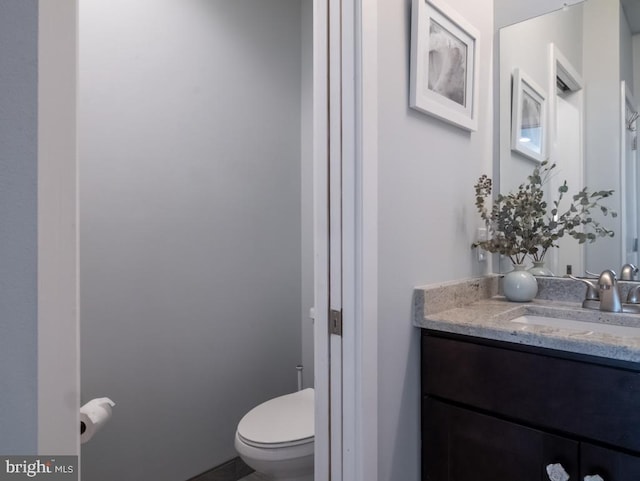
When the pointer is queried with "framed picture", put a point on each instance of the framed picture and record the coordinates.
(528, 117)
(444, 64)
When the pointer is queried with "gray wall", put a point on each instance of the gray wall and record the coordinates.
(18, 234)
(190, 225)
(427, 219)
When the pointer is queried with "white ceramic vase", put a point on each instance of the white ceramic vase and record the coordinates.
(539, 269)
(519, 285)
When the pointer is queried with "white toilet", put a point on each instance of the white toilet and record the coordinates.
(276, 437)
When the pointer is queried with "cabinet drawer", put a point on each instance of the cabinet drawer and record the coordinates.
(588, 400)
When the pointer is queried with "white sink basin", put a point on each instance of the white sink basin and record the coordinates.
(585, 328)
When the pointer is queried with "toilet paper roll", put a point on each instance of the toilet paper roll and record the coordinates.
(93, 416)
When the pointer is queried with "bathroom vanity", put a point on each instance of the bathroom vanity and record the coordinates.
(503, 401)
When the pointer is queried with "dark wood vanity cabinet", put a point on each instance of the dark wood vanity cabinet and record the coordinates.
(461, 444)
(496, 411)
(608, 463)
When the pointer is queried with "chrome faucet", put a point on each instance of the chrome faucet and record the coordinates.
(602, 294)
(633, 297)
(608, 292)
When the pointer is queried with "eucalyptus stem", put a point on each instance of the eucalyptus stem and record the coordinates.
(519, 224)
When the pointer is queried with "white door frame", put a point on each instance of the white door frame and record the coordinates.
(360, 240)
(321, 238)
(58, 316)
(346, 139)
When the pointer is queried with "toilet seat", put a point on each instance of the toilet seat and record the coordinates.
(279, 446)
(286, 444)
(282, 422)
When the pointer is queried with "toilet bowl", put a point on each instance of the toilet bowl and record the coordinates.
(276, 438)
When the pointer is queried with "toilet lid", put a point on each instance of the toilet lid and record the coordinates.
(284, 419)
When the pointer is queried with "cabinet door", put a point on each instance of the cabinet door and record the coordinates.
(608, 464)
(584, 399)
(462, 445)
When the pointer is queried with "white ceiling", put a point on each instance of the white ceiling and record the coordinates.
(632, 10)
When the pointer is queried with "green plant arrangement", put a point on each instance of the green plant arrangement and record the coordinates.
(520, 223)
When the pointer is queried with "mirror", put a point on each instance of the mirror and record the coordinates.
(582, 60)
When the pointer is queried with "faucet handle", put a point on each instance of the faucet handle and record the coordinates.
(592, 288)
(629, 272)
(633, 297)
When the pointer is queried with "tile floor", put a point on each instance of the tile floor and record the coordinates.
(254, 477)
(230, 471)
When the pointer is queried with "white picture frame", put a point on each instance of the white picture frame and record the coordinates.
(445, 52)
(528, 117)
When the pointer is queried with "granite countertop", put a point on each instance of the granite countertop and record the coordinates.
(474, 307)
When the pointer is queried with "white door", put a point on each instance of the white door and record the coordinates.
(340, 346)
(628, 177)
(351, 346)
(327, 151)
(631, 197)
(568, 157)
(567, 152)
(336, 153)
